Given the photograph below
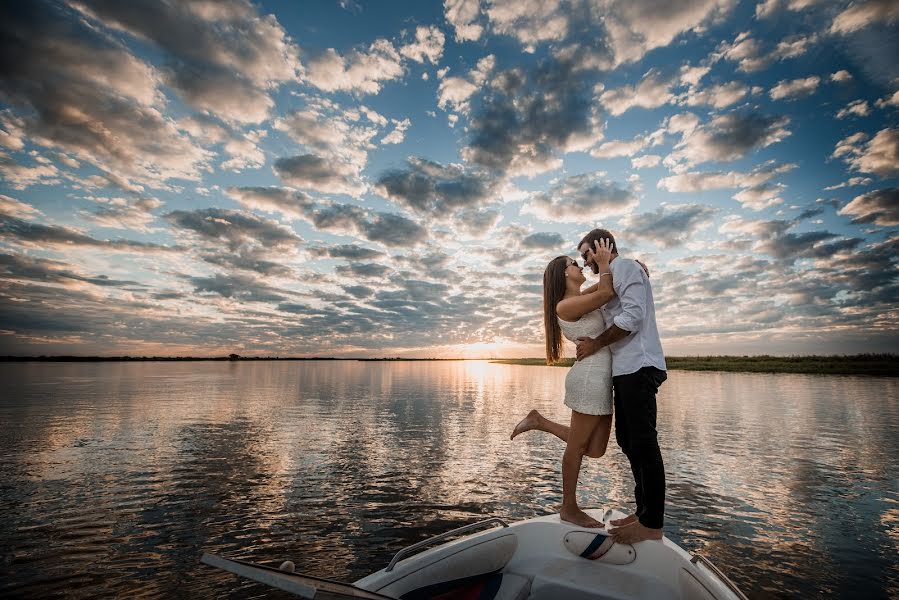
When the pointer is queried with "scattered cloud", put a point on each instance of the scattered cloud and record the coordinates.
(123, 213)
(543, 241)
(290, 203)
(87, 96)
(857, 108)
(890, 101)
(775, 239)
(359, 71)
(879, 155)
(698, 181)
(529, 22)
(242, 148)
(692, 75)
(476, 223)
(234, 229)
(318, 173)
(862, 14)
(344, 219)
(653, 91)
(348, 251)
(582, 197)
(726, 138)
(761, 196)
(399, 132)
(880, 207)
(769, 8)
(21, 176)
(717, 96)
(748, 53)
(431, 189)
(635, 27)
(389, 229)
(669, 225)
(527, 117)
(20, 266)
(841, 76)
(796, 88)
(454, 93)
(646, 161)
(238, 287)
(757, 191)
(853, 181)
(614, 148)
(463, 16)
(37, 235)
(15, 208)
(428, 45)
(337, 135)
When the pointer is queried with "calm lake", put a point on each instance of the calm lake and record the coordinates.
(114, 477)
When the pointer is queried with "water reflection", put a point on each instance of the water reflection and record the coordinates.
(115, 476)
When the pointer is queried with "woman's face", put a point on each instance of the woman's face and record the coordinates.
(575, 272)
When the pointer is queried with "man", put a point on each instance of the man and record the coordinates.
(638, 369)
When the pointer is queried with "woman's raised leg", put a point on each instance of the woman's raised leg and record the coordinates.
(535, 420)
(599, 439)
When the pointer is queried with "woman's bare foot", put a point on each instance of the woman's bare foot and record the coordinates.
(579, 517)
(622, 522)
(635, 532)
(526, 424)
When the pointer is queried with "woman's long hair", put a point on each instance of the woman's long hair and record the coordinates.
(553, 292)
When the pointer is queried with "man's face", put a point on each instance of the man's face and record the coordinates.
(586, 256)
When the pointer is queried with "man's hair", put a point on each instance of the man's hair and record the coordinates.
(595, 236)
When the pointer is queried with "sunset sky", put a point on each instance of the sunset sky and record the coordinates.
(345, 178)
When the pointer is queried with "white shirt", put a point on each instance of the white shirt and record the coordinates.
(632, 309)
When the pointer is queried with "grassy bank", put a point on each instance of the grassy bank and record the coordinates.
(884, 365)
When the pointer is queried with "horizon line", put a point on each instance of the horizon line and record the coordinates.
(236, 357)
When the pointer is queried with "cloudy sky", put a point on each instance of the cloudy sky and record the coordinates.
(344, 178)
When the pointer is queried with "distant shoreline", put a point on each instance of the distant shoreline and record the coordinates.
(884, 365)
(205, 358)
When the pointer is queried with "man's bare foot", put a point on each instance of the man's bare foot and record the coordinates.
(635, 532)
(625, 521)
(580, 518)
(526, 424)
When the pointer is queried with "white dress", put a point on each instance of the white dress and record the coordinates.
(588, 386)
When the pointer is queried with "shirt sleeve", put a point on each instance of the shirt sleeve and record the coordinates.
(631, 289)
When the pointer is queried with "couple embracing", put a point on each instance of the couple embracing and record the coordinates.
(618, 349)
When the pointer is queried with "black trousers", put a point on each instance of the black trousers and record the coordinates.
(635, 430)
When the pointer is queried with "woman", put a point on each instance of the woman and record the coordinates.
(588, 387)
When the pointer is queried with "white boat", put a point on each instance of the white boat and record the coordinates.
(537, 559)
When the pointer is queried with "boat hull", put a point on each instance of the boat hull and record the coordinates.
(546, 557)
(543, 558)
